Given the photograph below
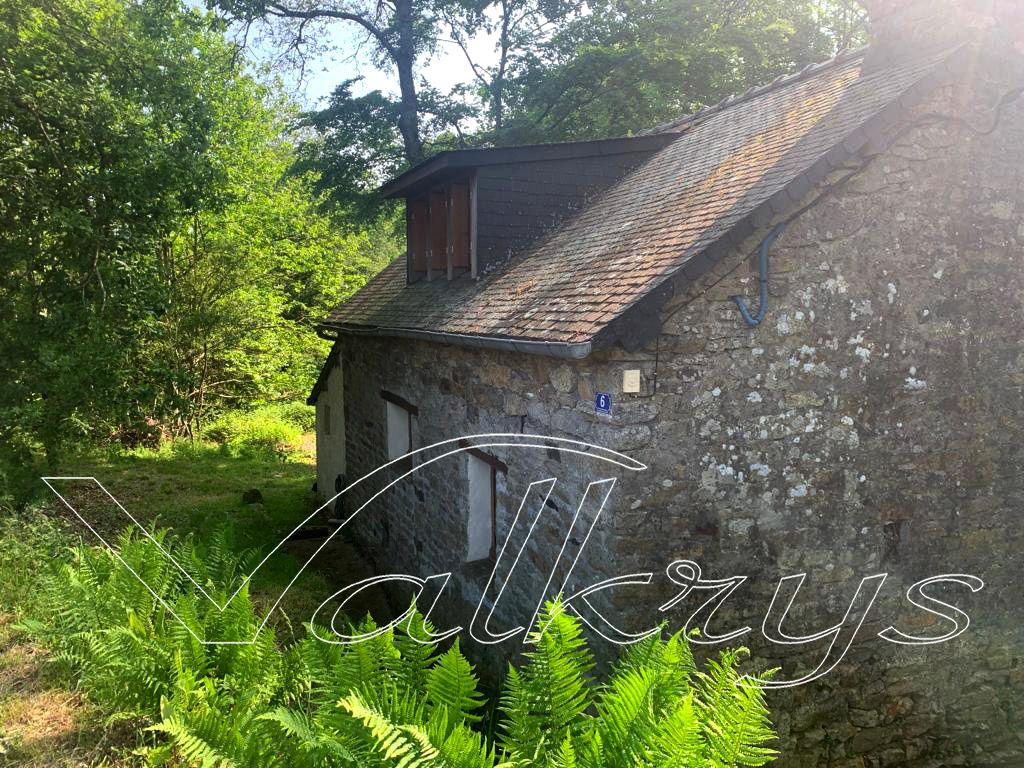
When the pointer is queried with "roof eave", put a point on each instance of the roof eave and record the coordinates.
(457, 159)
(559, 349)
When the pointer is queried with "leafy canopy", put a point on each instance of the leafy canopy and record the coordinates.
(158, 262)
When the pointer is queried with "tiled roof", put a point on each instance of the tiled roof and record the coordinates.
(731, 168)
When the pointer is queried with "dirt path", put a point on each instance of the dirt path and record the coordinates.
(43, 725)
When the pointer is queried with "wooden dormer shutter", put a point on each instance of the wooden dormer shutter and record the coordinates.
(439, 234)
(438, 241)
(416, 235)
(458, 228)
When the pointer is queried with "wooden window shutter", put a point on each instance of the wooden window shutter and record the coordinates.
(438, 257)
(458, 228)
(416, 234)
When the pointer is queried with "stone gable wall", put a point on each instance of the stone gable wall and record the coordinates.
(871, 425)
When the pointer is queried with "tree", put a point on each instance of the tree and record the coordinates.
(401, 31)
(104, 146)
(244, 284)
(631, 64)
(154, 260)
(519, 28)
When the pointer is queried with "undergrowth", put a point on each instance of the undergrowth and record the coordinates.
(269, 429)
(397, 699)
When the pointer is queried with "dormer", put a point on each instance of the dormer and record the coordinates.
(468, 210)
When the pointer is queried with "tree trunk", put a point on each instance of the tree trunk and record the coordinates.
(405, 57)
(498, 84)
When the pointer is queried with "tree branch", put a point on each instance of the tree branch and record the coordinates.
(283, 11)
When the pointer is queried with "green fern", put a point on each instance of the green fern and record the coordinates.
(452, 684)
(545, 701)
(392, 701)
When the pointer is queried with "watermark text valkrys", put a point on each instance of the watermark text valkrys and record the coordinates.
(830, 644)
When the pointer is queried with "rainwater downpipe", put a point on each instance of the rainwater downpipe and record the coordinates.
(766, 244)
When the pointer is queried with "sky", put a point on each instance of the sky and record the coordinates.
(349, 57)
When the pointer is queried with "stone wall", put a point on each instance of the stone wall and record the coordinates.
(420, 525)
(870, 425)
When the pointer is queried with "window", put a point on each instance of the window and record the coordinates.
(482, 470)
(439, 233)
(399, 424)
(399, 431)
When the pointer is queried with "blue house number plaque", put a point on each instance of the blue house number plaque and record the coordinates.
(603, 403)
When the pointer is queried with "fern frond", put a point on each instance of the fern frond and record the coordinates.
(452, 684)
(735, 718)
(312, 741)
(677, 741)
(544, 701)
(626, 715)
(405, 745)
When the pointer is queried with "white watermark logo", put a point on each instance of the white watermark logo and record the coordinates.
(685, 574)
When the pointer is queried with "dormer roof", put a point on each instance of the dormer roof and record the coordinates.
(445, 165)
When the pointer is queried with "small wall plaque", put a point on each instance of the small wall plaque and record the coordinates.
(631, 381)
(603, 403)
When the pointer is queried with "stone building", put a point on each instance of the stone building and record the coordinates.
(870, 424)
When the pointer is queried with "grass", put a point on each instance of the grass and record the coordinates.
(196, 490)
(42, 724)
(187, 489)
(190, 489)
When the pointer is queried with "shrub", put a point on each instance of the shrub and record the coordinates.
(26, 539)
(269, 429)
(393, 700)
(22, 461)
(299, 414)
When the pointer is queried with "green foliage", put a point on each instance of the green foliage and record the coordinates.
(25, 541)
(392, 700)
(544, 703)
(631, 64)
(157, 262)
(103, 145)
(270, 429)
(298, 413)
(356, 147)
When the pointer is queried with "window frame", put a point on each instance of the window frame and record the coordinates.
(496, 465)
(411, 411)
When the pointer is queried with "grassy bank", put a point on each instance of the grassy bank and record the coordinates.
(44, 721)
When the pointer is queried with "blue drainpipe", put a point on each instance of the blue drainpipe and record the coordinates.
(766, 245)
